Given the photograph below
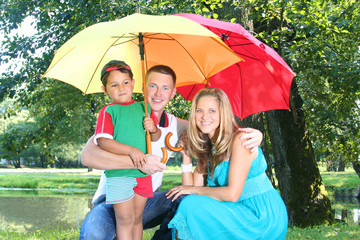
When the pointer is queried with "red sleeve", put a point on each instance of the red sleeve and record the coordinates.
(104, 123)
(154, 118)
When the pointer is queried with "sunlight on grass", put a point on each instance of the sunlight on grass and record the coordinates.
(336, 231)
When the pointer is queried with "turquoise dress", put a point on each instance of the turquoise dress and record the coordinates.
(260, 213)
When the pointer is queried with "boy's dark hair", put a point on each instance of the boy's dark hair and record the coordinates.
(162, 69)
(114, 65)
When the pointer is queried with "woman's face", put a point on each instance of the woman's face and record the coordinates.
(207, 115)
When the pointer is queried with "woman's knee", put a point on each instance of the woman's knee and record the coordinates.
(193, 203)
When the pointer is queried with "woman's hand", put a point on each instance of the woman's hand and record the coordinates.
(176, 191)
(183, 143)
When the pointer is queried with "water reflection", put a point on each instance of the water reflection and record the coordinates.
(30, 211)
(346, 207)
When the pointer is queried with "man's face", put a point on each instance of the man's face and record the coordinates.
(160, 89)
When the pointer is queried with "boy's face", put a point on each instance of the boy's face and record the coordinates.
(160, 89)
(119, 87)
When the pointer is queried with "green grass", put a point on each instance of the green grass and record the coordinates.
(48, 234)
(337, 232)
(344, 180)
(47, 181)
(170, 180)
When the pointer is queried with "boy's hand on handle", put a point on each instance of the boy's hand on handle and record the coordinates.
(138, 157)
(149, 125)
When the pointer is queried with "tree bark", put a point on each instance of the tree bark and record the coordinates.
(341, 167)
(16, 163)
(257, 121)
(356, 166)
(299, 178)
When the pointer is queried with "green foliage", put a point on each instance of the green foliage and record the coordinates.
(17, 136)
(179, 107)
(320, 41)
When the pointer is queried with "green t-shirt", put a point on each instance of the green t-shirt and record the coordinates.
(126, 120)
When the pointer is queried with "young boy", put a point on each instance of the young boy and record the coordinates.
(120, 129)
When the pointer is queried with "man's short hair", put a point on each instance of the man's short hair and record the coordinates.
(162, 69)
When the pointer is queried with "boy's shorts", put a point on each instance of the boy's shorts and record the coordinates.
(122, 189)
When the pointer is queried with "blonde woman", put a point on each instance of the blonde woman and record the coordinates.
(240, 201)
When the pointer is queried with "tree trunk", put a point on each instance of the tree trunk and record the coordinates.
(16, 163)
(341, 167)
(42, 160)
(257, 121)
(299, 178)
(356, 166)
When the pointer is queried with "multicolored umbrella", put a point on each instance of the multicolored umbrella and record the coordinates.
(260, 83)
(142, 41)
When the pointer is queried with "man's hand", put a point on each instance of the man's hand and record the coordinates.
(253, 138)
(152, 165)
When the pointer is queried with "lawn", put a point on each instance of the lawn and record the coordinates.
(336, 232)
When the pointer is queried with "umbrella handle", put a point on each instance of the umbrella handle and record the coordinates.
(168, 145)
(165, 155)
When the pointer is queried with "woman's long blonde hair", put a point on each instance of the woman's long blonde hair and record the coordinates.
(199, 144)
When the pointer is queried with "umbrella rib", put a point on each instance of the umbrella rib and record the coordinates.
(227, 42)
(191, 91)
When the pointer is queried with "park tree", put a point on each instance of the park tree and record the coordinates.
(14, 138)
(318, 45)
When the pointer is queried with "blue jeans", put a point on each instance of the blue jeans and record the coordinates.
(99, 224)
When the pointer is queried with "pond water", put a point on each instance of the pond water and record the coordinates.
(24, 211)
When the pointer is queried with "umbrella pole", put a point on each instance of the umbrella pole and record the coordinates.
(141, 47)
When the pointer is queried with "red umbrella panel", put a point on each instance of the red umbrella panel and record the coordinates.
(260, 83)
